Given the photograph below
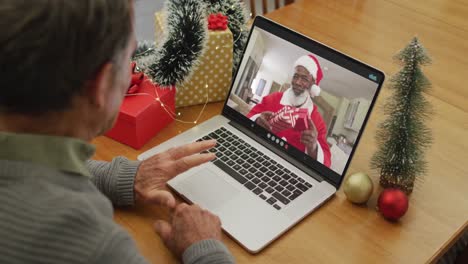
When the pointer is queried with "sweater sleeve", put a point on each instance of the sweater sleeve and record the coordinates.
(207, 252)
(115, 179)
(322, 137)
(118, 247)
(455, 251)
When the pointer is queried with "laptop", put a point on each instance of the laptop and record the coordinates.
(266, 176)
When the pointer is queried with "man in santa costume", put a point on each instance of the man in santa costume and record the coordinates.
(304, 86)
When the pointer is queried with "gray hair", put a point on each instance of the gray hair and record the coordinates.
(50, 48)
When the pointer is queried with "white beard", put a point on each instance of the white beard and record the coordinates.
(298, 99)
(304, 100)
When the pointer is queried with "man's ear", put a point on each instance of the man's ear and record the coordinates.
(98, 88)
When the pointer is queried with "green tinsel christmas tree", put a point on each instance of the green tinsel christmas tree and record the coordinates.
(175, 59)
(403, 136)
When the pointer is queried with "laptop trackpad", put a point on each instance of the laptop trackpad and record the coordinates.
(207, 189)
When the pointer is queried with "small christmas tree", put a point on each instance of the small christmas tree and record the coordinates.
(403, 136)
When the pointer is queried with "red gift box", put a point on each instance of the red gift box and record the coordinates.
(142, 116)
(282, 120)
(302, 122)
(289, 117)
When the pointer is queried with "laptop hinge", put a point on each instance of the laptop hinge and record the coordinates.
(283, 155)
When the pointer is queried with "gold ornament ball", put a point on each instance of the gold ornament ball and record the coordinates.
(358, 188)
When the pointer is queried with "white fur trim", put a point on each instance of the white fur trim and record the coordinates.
(288, 99)
(254, 117)
(315, 90)
(308, 63)
(320, 156)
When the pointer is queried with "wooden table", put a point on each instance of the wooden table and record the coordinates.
(340, 232)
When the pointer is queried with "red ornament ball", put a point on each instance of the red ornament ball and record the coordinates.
(392, 204)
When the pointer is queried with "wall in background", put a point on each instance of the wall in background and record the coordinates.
(144, 18)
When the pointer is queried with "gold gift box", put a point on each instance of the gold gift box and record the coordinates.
(211, 79)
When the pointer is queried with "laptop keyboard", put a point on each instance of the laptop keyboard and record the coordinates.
(257, 172)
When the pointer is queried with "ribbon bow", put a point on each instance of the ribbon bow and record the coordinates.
(137, 79)
(217, 22)
(289, 117)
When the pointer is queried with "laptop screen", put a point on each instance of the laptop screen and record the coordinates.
(305, 99)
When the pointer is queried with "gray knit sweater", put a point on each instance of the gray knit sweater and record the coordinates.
(54, 214)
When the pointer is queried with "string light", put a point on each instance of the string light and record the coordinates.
(168, 111)
(173, 115)
(229, 45)
(238, 22)
(143, 53)
(178, 114)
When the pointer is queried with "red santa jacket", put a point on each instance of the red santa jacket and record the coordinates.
(273, 103)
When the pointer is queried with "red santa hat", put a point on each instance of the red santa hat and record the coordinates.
(312, 65)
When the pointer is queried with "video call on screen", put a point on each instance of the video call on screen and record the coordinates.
(269, 82)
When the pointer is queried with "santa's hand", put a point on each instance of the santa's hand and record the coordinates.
(309, 139)
(263, 120)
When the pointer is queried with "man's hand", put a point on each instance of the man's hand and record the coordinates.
(153, 173)
(309, 139)
(189, 224)
(263, 120)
